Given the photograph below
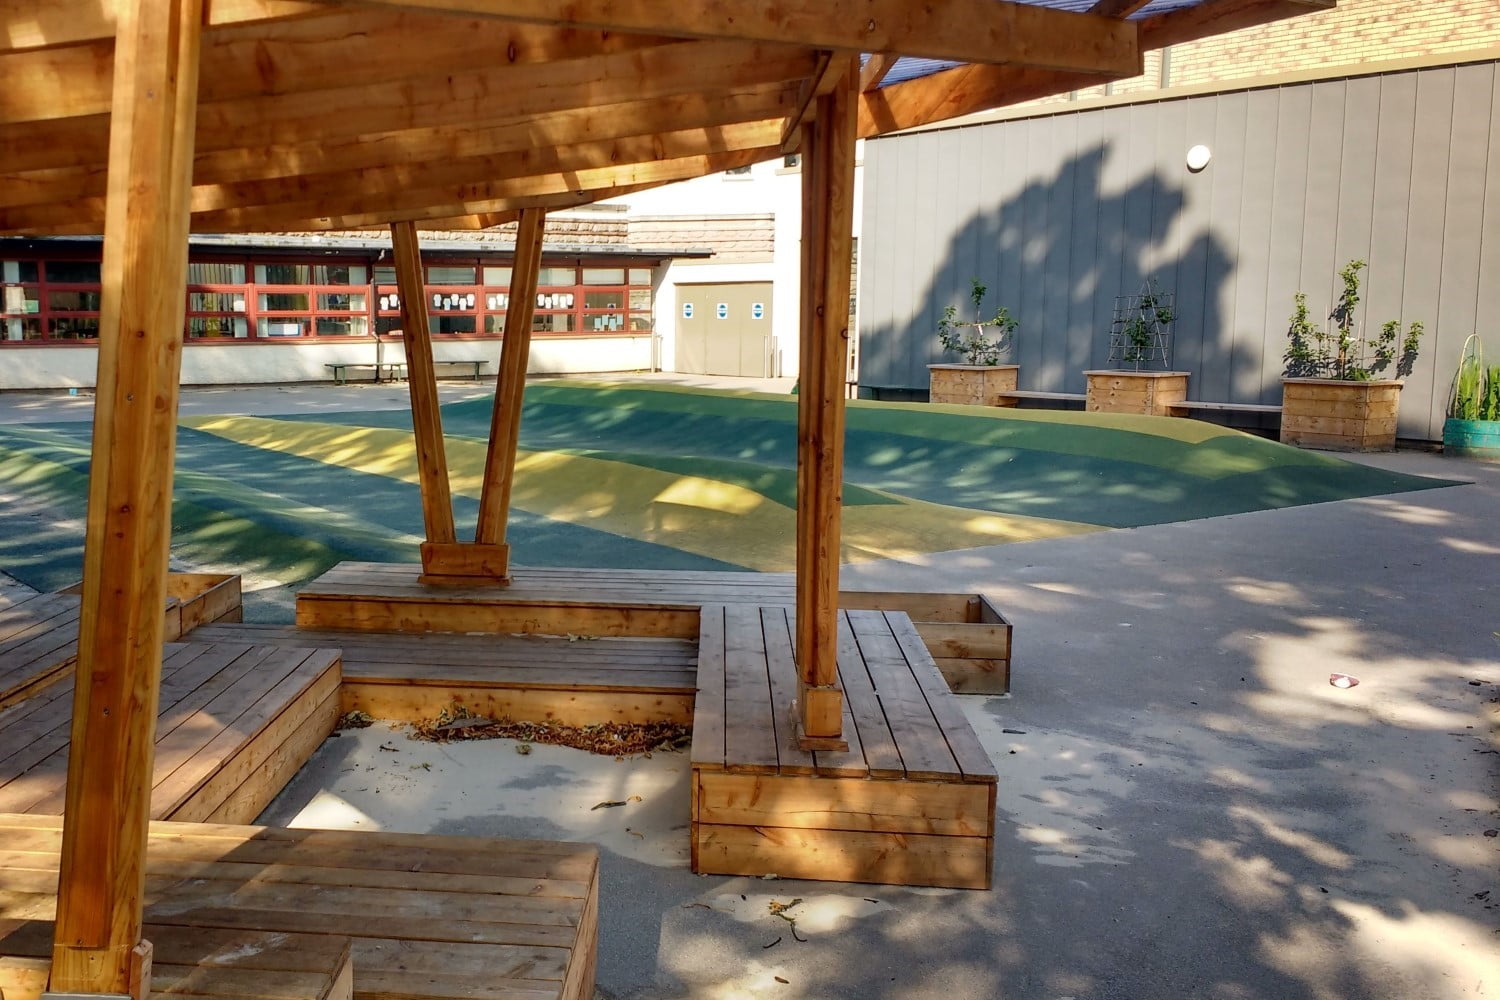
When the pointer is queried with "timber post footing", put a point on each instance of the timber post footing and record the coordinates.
(802, 741)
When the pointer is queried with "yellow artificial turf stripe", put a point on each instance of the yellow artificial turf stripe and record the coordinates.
(691, 513)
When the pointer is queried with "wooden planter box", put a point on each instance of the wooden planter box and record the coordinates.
(194, 599)
(1151, 394)
(972, 385)
(1333, 415)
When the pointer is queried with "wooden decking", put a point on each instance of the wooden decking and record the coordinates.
(533, 678)
(235, 723)
(967, 635)
(237, 911)
(39, 634)
(911, 802)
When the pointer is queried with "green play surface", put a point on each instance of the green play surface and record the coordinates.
(621, 475)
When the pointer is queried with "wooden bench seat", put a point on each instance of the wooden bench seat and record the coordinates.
(911, 802)
(235, 722)
(447, 918)
(1038, 394)
(410, 677)
(965, 632)
(1188, 405)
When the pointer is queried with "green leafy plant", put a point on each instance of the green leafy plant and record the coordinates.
(1476, 389)
(1151, 313)
(1341, 350)
(980, 341)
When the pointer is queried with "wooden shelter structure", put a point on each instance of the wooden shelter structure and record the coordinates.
(151, 119)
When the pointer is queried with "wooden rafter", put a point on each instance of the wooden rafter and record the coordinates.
(1216, 17)
(831, 69)
(875, 71)
(31, 25)
(966, 90)
(1117, 8)
(980, 31)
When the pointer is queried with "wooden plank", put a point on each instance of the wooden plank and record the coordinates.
(570, 707)
(966, 641)
(918, 735)
(142, 306)
(846, 856)
(426, 413)
(781, 671)
(269, 772)
(709, 707)
(558, 619)
(275, 738)
(583, 962)
(183, 768)
(848, 763)
(962, 742)
(749, 725)
(827, 239)
(970, 675)
(926, 807)
(977, 31)
(877, 742)
(463, 563)
(515, 354)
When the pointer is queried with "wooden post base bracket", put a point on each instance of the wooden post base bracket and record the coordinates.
(825, 706)
(464, 564)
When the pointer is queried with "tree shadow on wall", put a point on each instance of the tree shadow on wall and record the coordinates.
(1057, 252)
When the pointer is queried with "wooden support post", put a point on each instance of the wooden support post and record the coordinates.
(827, 237)
(505, 424)
(97, 946)
(421, 381)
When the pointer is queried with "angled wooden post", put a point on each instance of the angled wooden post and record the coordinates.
(421, 382)
(97, 946)
(505, 424)
(827, 238)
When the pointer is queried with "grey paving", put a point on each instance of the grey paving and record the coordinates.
(1188, 808)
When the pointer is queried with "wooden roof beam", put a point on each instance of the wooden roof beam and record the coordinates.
(876, 69)
(339, 50)
(971, 31)
(1117, 8)
(708, 114)
(549, 191)
(25, 24)
(832, 68)
(966, 90)
(1218, 17)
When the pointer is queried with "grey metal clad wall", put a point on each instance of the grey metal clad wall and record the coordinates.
(1059, 214)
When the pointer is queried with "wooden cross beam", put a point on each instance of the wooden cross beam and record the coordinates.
(97, 946)
(977, 31)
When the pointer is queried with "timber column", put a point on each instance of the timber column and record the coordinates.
(97, 946)
(827, 235)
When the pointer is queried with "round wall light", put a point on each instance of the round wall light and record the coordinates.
(1198, 157)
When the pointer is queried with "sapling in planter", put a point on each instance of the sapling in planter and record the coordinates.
(981, 341)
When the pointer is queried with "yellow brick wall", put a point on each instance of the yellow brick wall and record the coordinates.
(1356, 31)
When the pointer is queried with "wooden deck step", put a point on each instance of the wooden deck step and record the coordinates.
(235, 723)
(533, 678)
(966, 633)
(911, 802)
(446, 918)
(39, 634)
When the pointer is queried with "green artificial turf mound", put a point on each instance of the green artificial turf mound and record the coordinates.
(629, 475)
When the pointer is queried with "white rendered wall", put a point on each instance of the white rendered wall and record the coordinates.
(253, 363)
(769, 187)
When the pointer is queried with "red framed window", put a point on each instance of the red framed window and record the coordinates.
(286, 299)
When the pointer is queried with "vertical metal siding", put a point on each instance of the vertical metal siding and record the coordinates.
(1060, 214)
